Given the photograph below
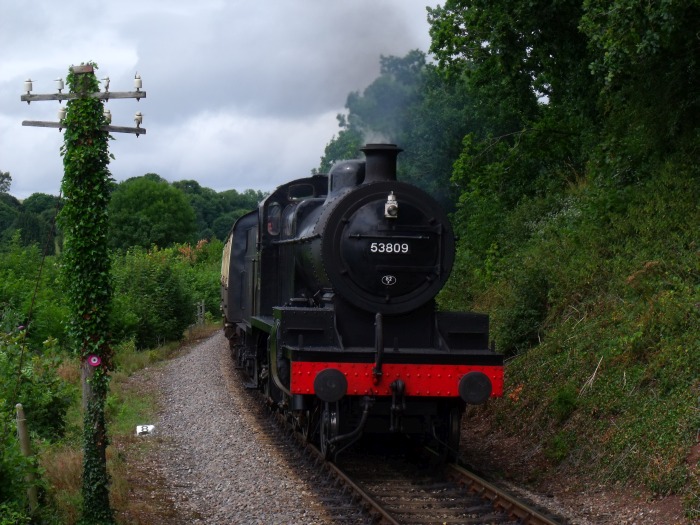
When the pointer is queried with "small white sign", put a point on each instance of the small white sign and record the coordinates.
(145, 430)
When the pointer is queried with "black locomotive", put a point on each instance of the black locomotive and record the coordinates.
(328, 299)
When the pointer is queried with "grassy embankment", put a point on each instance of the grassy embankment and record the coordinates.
(602, 302)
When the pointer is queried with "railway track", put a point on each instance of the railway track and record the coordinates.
(404, 486)
(416, 488)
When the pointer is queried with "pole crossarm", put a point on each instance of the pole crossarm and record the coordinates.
(101, 95)
(58, 125)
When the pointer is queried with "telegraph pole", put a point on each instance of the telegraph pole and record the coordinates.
(85, 188)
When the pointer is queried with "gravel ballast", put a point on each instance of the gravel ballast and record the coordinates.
(215, 459)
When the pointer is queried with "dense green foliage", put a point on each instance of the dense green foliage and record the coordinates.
(216, 212)
(156, 291)
(20, 291)
(410, 104)
(154, 295)
(29, 379)
(613, 349)
(143, 211)
(146, 211)
(578, 219)
(34, 219)
(532, 160)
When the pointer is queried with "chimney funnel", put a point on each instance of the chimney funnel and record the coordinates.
(381, 162)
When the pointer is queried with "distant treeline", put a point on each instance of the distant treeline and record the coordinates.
(143, 211)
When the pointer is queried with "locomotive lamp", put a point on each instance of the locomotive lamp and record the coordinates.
(391, 208)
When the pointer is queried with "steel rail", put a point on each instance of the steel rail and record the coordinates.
(498, 497)
(383, 514)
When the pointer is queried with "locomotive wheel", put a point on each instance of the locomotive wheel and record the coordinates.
(308, 422)
(304, 422)
(330, 423)
(448, 433)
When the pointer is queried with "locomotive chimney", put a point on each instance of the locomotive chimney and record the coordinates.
(381, 162)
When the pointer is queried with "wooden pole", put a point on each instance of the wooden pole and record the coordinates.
(25, 447)
(85, 187)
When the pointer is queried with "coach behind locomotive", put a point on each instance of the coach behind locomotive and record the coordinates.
(328, 299)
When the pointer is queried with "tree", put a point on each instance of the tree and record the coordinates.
(381, 112)
(222, 225)
(153, 303)
(526, 66)
(5, 181)
(148, 210)
(34, 218)
(612, 82)
(8, 215)
(248, 200)
(434, 131)
(233, 206)
(646, 57)
(345, 146)
(41, 204)
(520, 50)
(414, 105)
(384, 106)
(205, 202)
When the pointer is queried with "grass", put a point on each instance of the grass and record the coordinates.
(603, 376)
(129, 404)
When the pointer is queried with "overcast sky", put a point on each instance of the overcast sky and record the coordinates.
(240, 94)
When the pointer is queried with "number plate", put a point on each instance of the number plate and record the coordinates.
(398, 248)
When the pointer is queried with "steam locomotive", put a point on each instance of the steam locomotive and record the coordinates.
(327, 293)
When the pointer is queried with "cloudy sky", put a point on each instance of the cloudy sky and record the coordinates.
(240, 94)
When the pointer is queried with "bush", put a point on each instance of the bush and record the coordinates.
(30, 379)
(201, 267)
(19, 271)
(152, 302)
(12, 514)
(43, 394)
(518, 321)
(13, 469)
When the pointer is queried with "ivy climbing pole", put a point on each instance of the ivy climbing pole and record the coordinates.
(86, 264)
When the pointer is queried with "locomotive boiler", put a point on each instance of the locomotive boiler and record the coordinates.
(328, 299)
